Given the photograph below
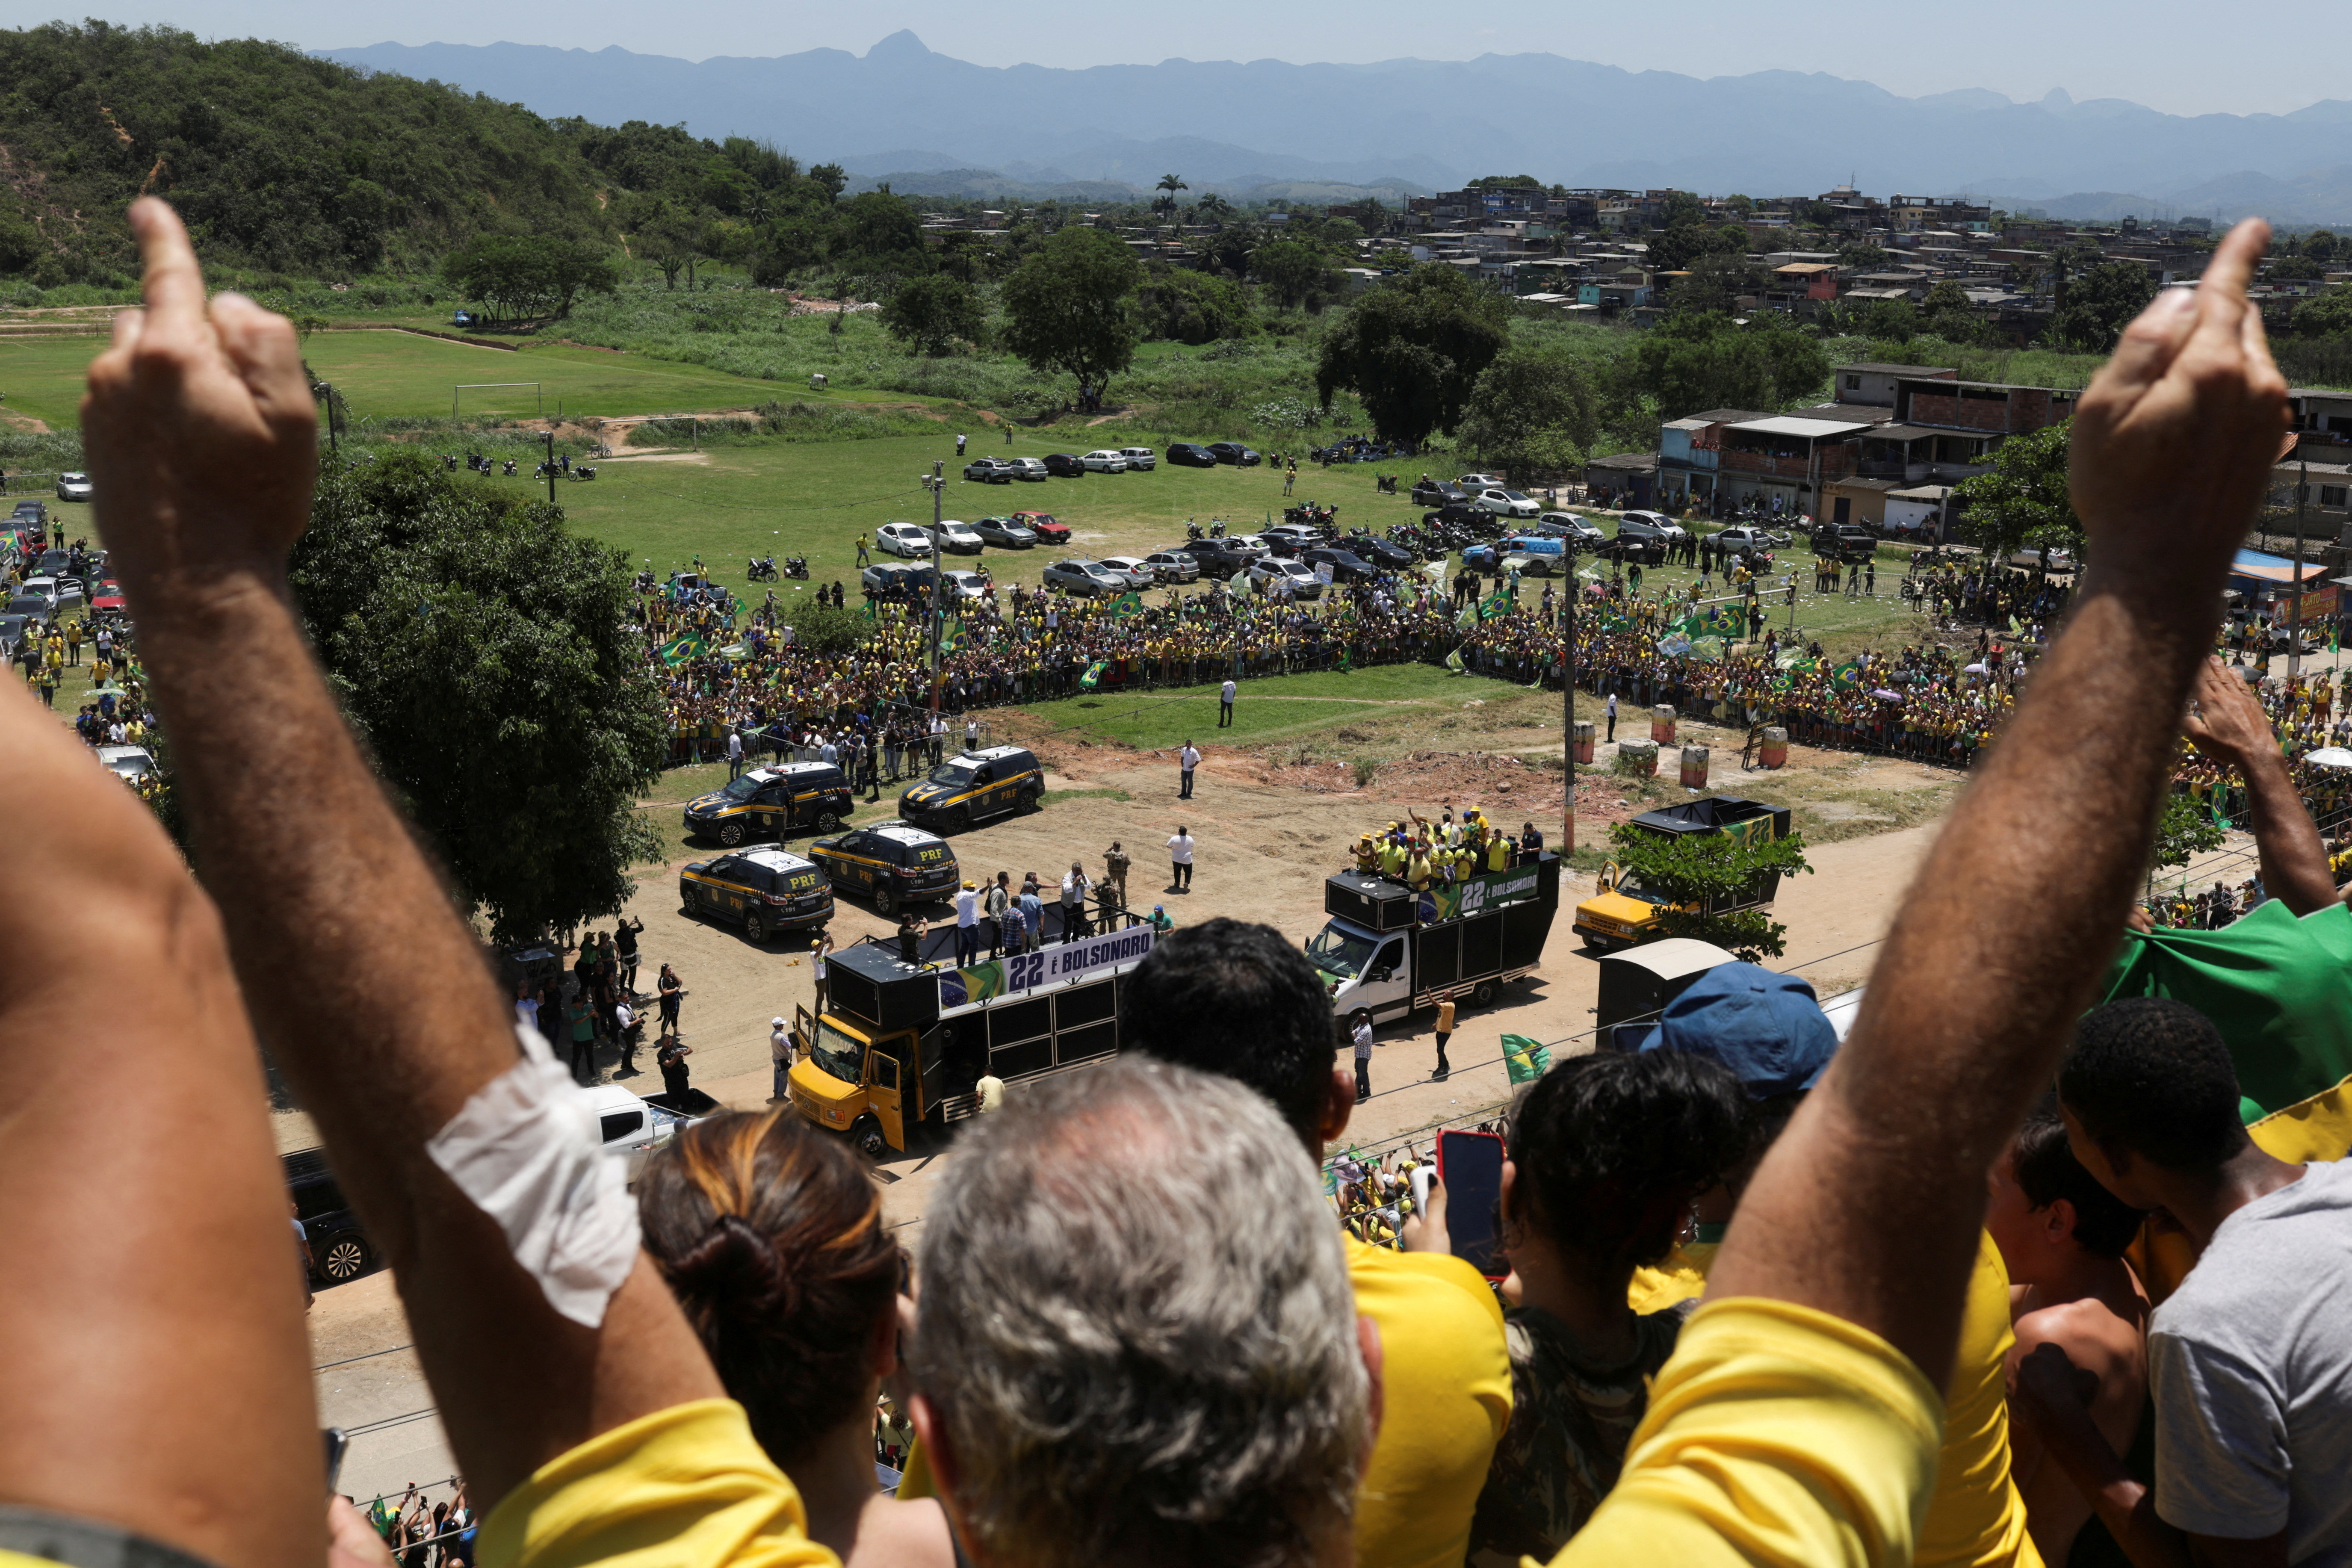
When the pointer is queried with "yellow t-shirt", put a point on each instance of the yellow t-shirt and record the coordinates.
(1447, 1398)
(683, 1488)
(1776, 1435)
(1681, 1278)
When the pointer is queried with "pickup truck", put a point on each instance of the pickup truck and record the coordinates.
(1621, 912)
(1845, 541)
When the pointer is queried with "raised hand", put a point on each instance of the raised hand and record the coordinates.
(200, 427)
(2227, 722)
(2175, 440)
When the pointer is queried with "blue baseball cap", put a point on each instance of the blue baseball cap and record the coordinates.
(1767, 1029)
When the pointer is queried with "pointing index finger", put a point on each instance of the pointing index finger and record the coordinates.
(2223, 285)
(174, 285)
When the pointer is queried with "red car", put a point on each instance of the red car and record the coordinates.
(1043, 525)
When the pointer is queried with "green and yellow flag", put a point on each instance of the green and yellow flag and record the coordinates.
(1847, 675)
(679, 649)
(1094, 673)
(1128, 603)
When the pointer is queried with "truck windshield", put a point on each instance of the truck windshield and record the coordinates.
(745, 787)
(837, 1054)
(1335, 951)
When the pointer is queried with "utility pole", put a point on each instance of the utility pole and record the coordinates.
(2295, 574)
(551, 466)
(937, 484)
(1568, 703)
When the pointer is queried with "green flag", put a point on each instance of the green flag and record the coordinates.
(679, 649)
(1094, 673)
(1847, 676)
(1128, 603)
(1453, 661)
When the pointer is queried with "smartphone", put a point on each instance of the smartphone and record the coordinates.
(1471, 1166)
(336, 1440)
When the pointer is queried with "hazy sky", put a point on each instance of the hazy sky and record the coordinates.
(2168, 54)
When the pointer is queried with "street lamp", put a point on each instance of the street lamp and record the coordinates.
(936, 482)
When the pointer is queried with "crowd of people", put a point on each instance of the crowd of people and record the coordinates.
(1756, 1303)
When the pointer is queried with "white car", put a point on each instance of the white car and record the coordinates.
(904, 539)
(1248, 544)
(1173, 567)
(1748, 539)
(1301, 577)
(1029, 469)
(1569, 525)
(129, 763)
(630, 1129)
(959, 538)
(1651, 525)
(1480, 481)
(1134, 568)
(1105, 461)
(1142, 458)
(965, 584)
(73, 487)
(1506, 503)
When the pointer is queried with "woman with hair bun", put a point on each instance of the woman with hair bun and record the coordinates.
(770, 1235)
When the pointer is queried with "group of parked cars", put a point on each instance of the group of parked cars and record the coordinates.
(1106, 460)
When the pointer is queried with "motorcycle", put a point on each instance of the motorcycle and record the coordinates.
(1192, 535)
(1217, 528)
(585, 471)
(796, 566)
(757, 571)
(510, 468)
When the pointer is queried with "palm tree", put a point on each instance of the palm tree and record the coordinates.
(1216, 207)
(1166, 202)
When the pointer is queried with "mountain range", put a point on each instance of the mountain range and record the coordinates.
(902, 112)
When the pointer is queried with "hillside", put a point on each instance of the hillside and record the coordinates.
(1434, 122)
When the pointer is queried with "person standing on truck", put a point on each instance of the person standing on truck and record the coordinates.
(1115, 868)
(1032, 913)
(966, 926)
(1444, 1033)
(1530, 844)
(823, 952)
(911, 928)
(1361, 1032)
(999, 900)
(1074, 902)
(672, 1059)
(1180, 855)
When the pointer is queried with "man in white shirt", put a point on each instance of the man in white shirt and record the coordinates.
(1180, 854)
(734, 753)
(1186, 761)
(1074, 902)
(526, 1006)
(1610, 710)
(938, 738)
(1360, 1032)
(780, 1057)
(1226, 704)
(827, 751)
(967, 930)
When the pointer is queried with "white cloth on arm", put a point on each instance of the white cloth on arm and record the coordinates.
(528, 1150)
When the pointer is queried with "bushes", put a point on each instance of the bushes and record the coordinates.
(774, 422)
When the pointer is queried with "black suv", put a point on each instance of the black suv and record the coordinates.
(340, 1250)
(1217, 558)
(1065, 465)
(975, 784)
(1346, 566)
(1459, 512)
(1845, 541)
(763, 890)
(772, 802)
(1235, 453)
(890, 863)
(1191, 454)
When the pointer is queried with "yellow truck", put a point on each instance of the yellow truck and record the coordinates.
(1622, 912)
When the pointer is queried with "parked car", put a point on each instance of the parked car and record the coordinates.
(1043, 525)
(1086, 579)
(1140, 458)
(1214, 555)
(1005, 531)
(1346, 566)
(1481, 481)
(45, 589)
(1580, 531)
(1437, 492)
(1029, 470)
(631, 1127)
(1382, 553)
(1651, 525)
(14, 626)
(763, 890)
(1134, 568)
(772, 802)
(1191, 455)
(33, 513)
(1458, 511)
(1248, 546)
(886, 577)
(1746, 541)
(1290, 538)
(989, 471)
(1105, 461)
(1845, 541)
(962, 585)
(73, 487)
(959, 538)
(1304, 583)
(340, 1249)
(129, 763)
(1507, 503)
(1173, 567)
(1065, 465)
(38, 609)
(1234, 454)
(903, 539)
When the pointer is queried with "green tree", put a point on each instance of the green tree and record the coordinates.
(930, 315)
(1413, 349)
(2023, 500)
(832, 178)
(1680, 209)
(877, 232)
(1946, 313)
(2100, 303)
(1190, 306)
(1684, 244)
(1065, 307)
(1533, 410)
(2322, 245)
(1297, 274)
(2325, 315)
(1695, 873)
(479, 645)
(2295, 269)
(1164, 203)
(1704, 360)
(1861, 255)
(1741, 206)
(1215, 207)
(1718, 280)
(2184, 829)
(526, 275)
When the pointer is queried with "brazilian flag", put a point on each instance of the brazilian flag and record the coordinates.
(1495, 605)
(951, 639)
(1846, 677)
(1128, 603)
(1094, 675)
(679, 650)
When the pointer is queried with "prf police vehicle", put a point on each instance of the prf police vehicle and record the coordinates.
(902, 1044)
(890, 863)
(770, 802)
(763, 890)
(1387, 949)
(977, 785)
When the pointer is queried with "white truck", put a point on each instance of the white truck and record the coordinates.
(1388, 949)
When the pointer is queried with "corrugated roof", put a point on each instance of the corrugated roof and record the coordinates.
(1906, 432)
(1805, 429)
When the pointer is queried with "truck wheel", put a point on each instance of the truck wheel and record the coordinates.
(755, 927)
(1030, 802)
(346, 1258)
(962, 821)
(1483, 997)
(865, 1133)
(884, 900)
(828, 822)
(730, 834)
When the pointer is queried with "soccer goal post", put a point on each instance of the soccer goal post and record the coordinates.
(539, 400)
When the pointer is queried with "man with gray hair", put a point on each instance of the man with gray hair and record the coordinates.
(1112, 1371)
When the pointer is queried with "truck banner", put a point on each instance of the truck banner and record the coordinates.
(1445, 902)
(1047, 966)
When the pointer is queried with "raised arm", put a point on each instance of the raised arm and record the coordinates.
(2230, 727)
(203, 434)
(1869, 1207)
